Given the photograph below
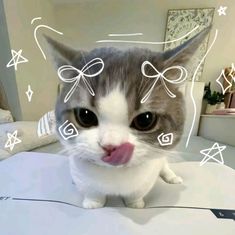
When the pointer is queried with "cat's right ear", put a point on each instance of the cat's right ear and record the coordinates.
(60, 53)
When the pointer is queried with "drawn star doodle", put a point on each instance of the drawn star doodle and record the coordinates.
(210, 154)
(222, 10)
(12, 140)
(16, 59)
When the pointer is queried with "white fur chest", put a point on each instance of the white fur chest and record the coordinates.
(115, 180)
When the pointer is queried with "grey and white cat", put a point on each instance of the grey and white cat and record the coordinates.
(116, 151)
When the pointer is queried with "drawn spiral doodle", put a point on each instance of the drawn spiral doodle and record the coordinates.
(81, 74)
(68, 130)
(160, 76)
(165, 139)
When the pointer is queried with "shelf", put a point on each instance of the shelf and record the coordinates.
(218, 128)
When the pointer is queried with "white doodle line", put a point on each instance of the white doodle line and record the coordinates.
(80, 75)
(12, 140)
(35, 34)
(72, 132)
(225, 78)
(165, 139)
(159, 75)
(192, 87)
(144, 42)
(29, 93)
(221, 85)
(231, 74)
(124, 34)
(16, 59)
(36, 18)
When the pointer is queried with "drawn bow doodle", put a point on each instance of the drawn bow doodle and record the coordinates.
(81, 74)
(160, 76)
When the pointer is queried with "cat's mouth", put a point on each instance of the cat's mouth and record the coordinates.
(120, 156)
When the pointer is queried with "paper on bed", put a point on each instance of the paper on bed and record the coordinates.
(46, 176)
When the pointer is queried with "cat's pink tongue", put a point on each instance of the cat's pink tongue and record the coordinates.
(121, 155)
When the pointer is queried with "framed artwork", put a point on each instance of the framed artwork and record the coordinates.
(179, 23)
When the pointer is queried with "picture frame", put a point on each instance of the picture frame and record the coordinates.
(182, 21)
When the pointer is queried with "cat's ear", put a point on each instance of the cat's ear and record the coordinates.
(182, 54)
(60, 53)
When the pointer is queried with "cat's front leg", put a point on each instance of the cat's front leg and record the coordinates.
(169, 176)
(135, 200)
(93, 200)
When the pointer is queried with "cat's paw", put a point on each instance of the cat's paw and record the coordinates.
(92, 204)
(175, 180)
(139, 204)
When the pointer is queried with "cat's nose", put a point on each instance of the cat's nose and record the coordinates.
(108, 148)
(118, 155)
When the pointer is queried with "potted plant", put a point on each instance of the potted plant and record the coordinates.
(214, 100)
(220, 101)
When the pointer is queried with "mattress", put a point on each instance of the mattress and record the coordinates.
(37, 196)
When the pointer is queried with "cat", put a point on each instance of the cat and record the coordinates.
(116, 151)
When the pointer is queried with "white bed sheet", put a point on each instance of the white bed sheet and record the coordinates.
(46, 176)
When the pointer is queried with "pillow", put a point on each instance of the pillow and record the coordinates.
(27, 133)
(3, 154)
(5, 116)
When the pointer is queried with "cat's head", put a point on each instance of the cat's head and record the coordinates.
(101, 114)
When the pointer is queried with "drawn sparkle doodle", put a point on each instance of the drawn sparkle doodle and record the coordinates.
(222, 84)
(29, 93)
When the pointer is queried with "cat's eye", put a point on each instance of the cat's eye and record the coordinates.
(144, 121)
(85, 117)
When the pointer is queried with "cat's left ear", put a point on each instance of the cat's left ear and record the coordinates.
(62, 54)
(182, 54)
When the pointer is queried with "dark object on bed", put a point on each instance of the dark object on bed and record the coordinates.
(3, 98)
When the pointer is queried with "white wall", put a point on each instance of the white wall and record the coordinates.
(37, 72)
(87, 21)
